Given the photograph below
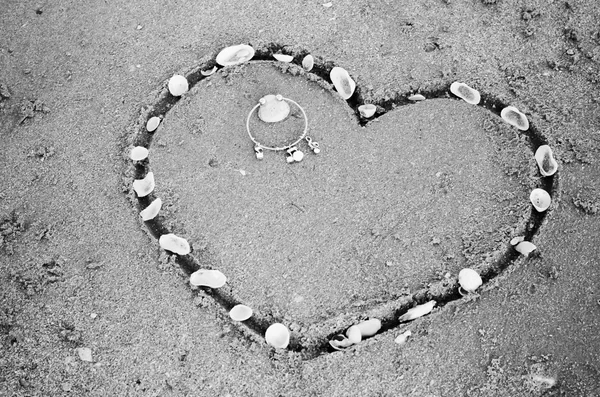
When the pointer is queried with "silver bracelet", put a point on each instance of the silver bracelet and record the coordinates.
(293, 153)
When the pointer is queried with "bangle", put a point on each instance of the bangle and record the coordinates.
(293, 154)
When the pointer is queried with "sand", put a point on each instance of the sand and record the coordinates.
(79, 270)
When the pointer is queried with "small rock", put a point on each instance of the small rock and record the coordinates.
(4, 92)
(85, 354)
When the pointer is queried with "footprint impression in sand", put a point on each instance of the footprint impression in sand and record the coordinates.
(380, 219)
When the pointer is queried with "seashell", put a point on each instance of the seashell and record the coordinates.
(417, 311)
(368, 328)
(367, 111)
(138, 153)
(340, 342)
(152, 124)
(517, 240)
(469, 280)
(283, 58)
(278, 336)
(235, 55)
(466, 93)
(401, 339)
(512, 116)
(240, 313)
(273, 108)
(175, 244)
(151, 210)
(525, 248)
(178, 85)
(342, 82)
(208, 278)
(144, 187)
(354, 334)
(308, 62)
(208, 72)
(416, 98)
(545, 160)
(540, 199)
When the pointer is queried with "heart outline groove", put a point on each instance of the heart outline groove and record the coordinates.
(443, 292)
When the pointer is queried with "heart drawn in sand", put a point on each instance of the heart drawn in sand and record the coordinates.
(376, 224)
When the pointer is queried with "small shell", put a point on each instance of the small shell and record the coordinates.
(342, 82)
(273, 108)
(369, 327)
(235, 54)
(138, 153)
(354, 334)
(466, 93)
(469, 280)
(416, 98)
(173, 243)
(417, 311)
(240, 313)
(208, 278)
(367, 111)
(340, 342)
(308, 62)
(283, 58)
(517, 240)
(152, 124)
(512, 116)
(151, 210)
(144, 187)
(178, 85)
(278, 336)
(401, 339)
(540, 199)
(208, 72)
(525, 248)
(543, 156)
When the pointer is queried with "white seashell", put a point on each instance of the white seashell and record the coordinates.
(152, 210)
(273, 108)
(173, 243)
(178, 85)
(342, 82)
(517, 240)
(466, 93)
(152, 124)
(354, 334)
(469, 280)
(418, 311)
(144, 187)
(340, 342)
(308, 62)
(540, 199)
(543, 156)
(525, 248)
(208, 278)
(512, 116)
(235, 55)
(401, 339)
(240, 313)
(138, 153)
(278, 336)
(369, 327)
(367, 111)
(283, 58)
(208, 72)
(416, 98)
